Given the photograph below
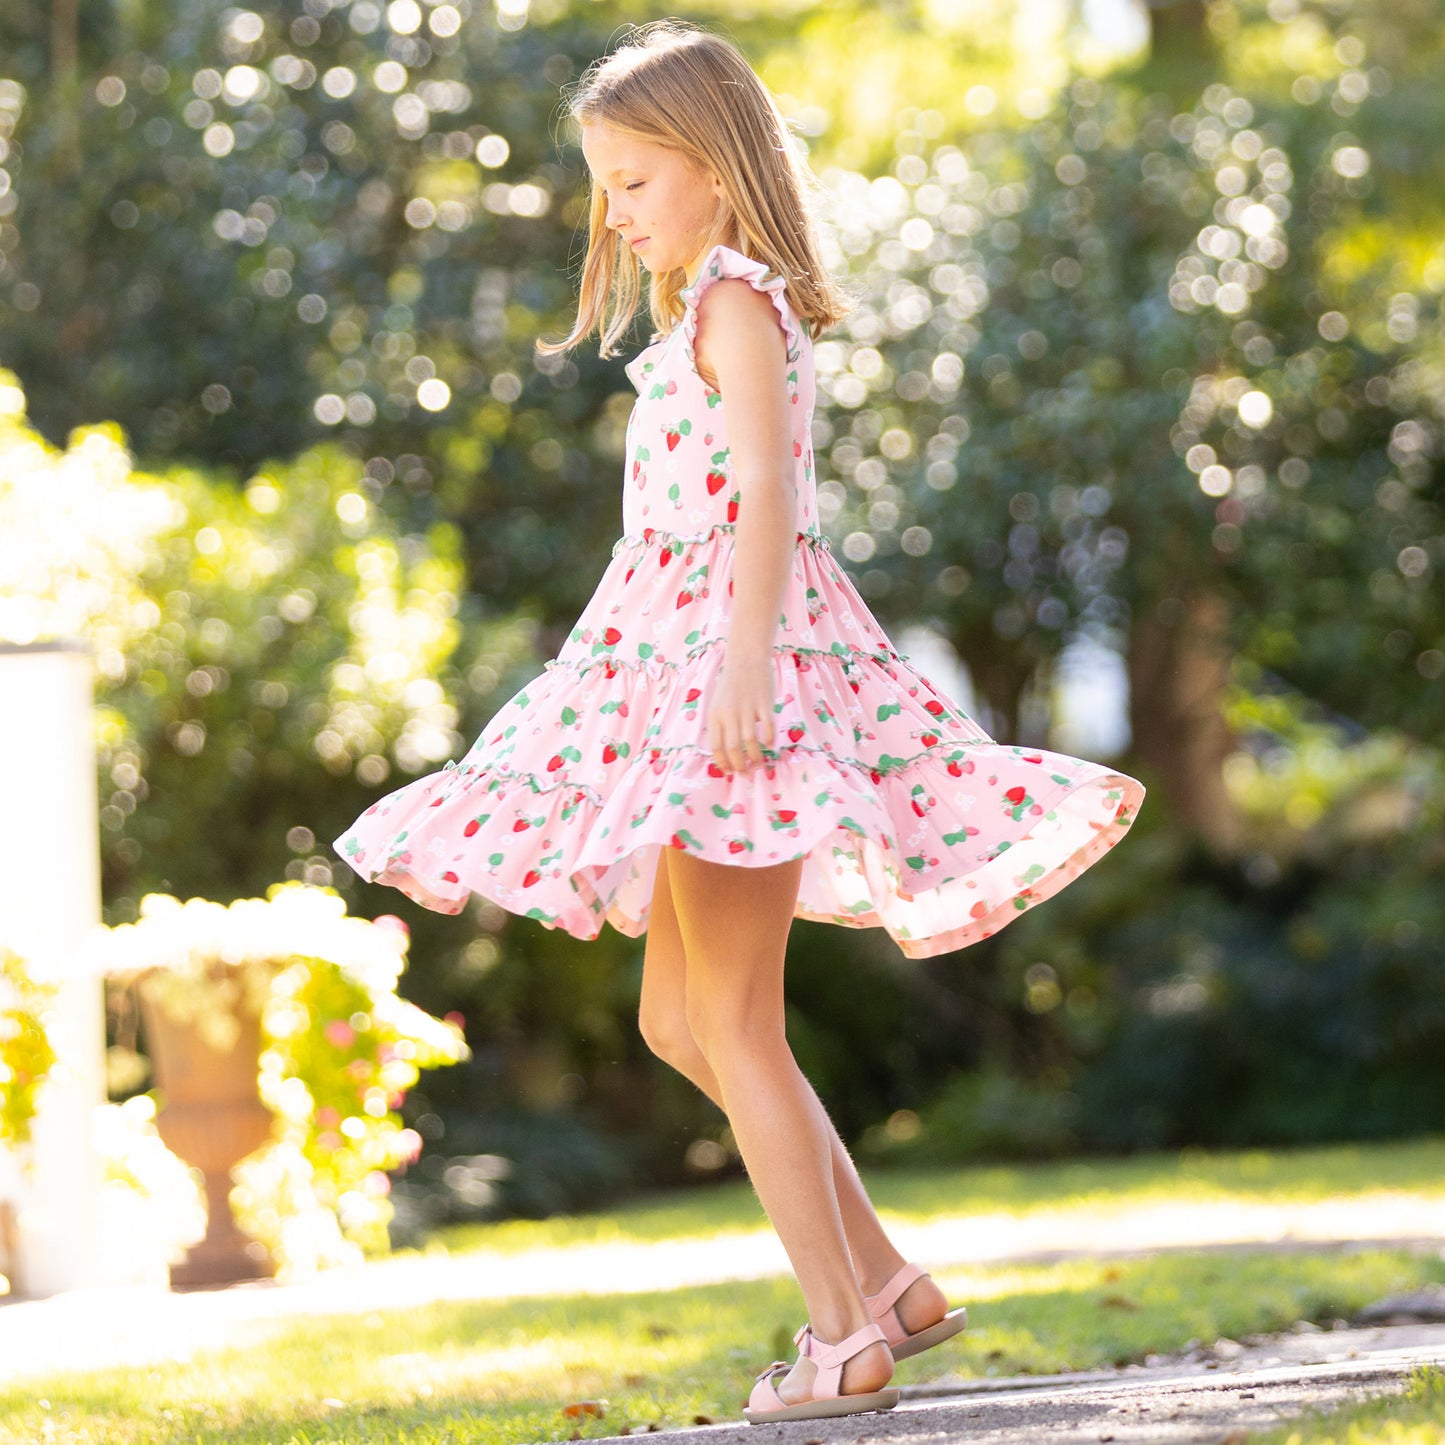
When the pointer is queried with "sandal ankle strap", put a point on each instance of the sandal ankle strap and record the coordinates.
(830, 1359)
(879, 1304)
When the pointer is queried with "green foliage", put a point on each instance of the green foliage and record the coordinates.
(351, 1051)
(1120, 338)
(1126, 340)
(26, 1054)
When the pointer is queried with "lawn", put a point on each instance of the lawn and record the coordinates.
(1414, 1167)
(506, 1371)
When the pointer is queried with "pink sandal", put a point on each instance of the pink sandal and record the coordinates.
(883, 1307)
(766, 1404)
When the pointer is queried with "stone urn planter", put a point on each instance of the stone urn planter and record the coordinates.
(281, 1053)
(212, 1118)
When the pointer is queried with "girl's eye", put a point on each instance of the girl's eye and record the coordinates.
(634, 185)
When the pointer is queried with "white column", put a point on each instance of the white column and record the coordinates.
(49, 902)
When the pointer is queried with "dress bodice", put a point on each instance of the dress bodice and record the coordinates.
(678, 476)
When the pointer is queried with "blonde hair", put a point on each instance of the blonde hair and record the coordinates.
(680, 86)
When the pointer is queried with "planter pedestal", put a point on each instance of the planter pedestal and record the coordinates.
(212, 1119)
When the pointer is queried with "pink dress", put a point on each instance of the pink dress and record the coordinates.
(908, 815)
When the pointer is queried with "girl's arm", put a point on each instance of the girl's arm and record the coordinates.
(746, 353)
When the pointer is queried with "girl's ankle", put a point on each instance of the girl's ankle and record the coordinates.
(877, 1273)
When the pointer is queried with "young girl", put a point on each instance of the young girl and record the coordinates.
(727, 740)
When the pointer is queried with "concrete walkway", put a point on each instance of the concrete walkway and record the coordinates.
(1198, 1400)
(96, 1328)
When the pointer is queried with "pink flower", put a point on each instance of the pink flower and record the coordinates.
(340, 1034)
(392, 922)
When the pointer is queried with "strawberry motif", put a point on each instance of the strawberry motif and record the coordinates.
(450, 878)
(929, 739)
(684, 597)
(612, 637)
(532, 876)
(716, 481)
(796, 732)
(935, 707)
(732, 514)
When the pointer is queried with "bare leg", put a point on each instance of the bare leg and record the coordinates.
(663, 1021)
(734, 923)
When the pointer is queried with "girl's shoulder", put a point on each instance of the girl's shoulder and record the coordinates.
(723, 261)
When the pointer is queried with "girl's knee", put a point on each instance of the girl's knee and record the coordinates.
(666, 1032)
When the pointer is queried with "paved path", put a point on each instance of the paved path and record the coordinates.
(89, 1329)
(1180, 1402)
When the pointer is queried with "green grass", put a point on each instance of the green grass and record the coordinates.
(1113, 1185)
(1415, 1418)
(498, 1373)
(503, 1372)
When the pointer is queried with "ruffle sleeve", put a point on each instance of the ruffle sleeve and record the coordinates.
(723, 261)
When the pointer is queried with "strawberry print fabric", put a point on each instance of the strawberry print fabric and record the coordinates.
(909, 816)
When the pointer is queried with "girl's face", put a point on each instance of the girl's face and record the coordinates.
(658, 201)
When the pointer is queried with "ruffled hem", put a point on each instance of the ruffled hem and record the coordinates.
(940, 842)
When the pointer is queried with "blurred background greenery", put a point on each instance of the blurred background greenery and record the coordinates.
(1138, 418)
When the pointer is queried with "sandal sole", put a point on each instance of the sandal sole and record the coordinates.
(953, 1323)
(827, 1409)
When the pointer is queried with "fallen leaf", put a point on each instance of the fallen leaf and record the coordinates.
(703, 1420)
(584, 1410)
(1119, 1302)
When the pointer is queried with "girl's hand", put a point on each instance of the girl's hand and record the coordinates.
(740, 716)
